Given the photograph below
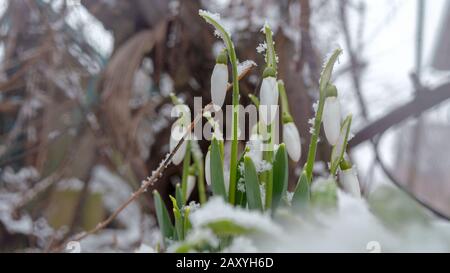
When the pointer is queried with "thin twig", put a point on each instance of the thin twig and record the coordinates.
(150, 180)
(353, 58)
(413, 108)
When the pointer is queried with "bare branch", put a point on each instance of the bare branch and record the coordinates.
(418, 105)
(150, 180)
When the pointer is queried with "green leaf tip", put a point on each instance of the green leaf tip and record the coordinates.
(328, 69)
(252, 185)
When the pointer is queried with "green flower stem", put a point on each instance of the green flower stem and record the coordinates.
(271, 60)
(185, 174)
(324, 81)
(234, 68)
(268, 177)
(283, 96)
(234, 142)
(201, 183)
(286, 115)
(271, 57)
(314, 138)
(254, 100)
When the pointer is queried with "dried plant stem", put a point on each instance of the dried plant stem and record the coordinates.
(149, 181)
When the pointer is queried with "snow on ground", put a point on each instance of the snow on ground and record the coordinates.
(352, 227)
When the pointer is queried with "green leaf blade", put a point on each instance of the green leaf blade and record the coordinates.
(179, 223)
(328, 69)
(187, 223)
(164, 222)
(180, 201)
(302, 195)
(253, 192)
(227, 227)
(280, 175)
(217, 179)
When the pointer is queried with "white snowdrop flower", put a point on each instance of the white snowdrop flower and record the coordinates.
(208, 168)
(332, 117)
(176, 135)
(179, 130)
(219, 80)
(340, 146)
(190, 185)
(350, 183)
(268, 96)
(291, 138)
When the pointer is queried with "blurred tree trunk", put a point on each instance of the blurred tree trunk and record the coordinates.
(141, 29)
(191, 58)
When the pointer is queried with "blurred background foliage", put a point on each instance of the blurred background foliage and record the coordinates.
(85, 113)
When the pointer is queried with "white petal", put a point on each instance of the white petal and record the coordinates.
(255, 145)
(291, 138)
(175, 136)
(332, 119)
(219, 81)
(190, 186)
(350, 182)
(340, 143)
(269, 91)
(208, 168)
(268, 99)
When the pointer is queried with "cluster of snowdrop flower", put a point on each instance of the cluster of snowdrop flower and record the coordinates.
(256, 178)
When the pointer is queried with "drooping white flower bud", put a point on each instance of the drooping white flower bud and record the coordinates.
(219, 80)
(268, 97)
(176, 135)
(350, 183)
(190, 185)
(332, 119)
(208, 168)
(291, 138)
(179, 130)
